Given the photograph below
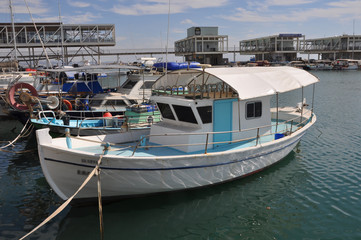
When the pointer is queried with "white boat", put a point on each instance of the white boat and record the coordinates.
(138, 117)
(135, 90)
(218, 125)
(346, 64)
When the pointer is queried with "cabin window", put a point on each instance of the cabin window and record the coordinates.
(115, 102)
(147, 85)
(166, 111)
(253, 110)
(205, 113)
(95, 103)
(129, 85)
(184, 114)
(132, 101)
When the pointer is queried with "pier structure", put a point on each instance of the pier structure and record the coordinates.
(204, 45)
(337, 47)
(276, 48)
(55, 38)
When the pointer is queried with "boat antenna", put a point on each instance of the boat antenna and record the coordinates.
(14, 35)
(353, 42)
(166, 48)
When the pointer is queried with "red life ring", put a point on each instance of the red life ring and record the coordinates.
(68, 104)
(14, 89)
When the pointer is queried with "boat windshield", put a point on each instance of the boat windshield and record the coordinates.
(129, 84)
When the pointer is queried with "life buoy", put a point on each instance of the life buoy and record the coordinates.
(68, 104)
(14, 89)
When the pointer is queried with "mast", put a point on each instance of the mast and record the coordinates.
(14, 35)
(61, 35)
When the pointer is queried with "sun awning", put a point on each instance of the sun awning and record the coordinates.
(248, 82)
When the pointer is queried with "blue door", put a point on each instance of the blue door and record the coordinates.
(222, 119)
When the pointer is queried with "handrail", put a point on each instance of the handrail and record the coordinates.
(258, 137)
(45, 111)
(127, 120)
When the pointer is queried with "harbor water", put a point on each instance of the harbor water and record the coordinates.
(314, 193)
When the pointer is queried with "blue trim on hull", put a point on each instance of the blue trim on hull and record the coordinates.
(176, 168)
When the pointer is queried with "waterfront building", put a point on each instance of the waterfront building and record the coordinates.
(276, 48)
(204, 45)
(337, 47)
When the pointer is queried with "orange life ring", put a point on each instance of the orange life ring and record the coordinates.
(68, 104)
(14, 89)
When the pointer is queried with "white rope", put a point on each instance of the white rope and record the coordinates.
(19, 136)
(66, 203)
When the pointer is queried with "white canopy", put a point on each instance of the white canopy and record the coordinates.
(248, 82)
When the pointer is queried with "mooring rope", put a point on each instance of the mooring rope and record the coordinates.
(21, 134)
(96, 171)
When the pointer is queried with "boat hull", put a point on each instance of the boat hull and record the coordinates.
(66, 169)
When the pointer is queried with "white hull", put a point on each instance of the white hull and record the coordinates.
(66, 169)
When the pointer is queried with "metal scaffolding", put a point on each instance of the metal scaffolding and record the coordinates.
(54, 36)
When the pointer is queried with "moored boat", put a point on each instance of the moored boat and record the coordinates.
(133, 118)
(218, 125)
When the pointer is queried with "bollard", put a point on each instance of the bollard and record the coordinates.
(106, 147)
(68, 139)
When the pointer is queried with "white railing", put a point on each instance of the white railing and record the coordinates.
(292, 122)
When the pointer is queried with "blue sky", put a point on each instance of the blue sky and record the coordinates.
(143, 24)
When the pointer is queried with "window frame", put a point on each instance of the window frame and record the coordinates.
(205, 119)
(179, 112)
(256, 112)
(161, 109)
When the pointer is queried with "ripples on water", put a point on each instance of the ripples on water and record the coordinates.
(314, 193)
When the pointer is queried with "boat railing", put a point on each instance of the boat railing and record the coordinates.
(295, 124)
(43, 114)
(195, 91)
(118, 121)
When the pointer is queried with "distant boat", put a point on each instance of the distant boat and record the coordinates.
(218, 125)
(171, 66)
(346, 64)
(321, 65)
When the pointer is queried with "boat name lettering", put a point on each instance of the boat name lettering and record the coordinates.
(82, 172)
(89, 161)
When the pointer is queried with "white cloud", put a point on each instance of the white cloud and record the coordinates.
(152, 7)
(188, 21)
(79, 4)
(19, 7)
(87, 17)
(288, 2)
(334, 10)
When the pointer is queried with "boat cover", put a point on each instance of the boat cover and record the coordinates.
(248, 82)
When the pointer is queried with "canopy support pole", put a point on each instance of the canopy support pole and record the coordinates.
(277, 112)
(239, 113)
(313, 97)
(302, 106)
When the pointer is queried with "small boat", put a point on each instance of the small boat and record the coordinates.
(346, 64)
(299, 64)
(218, 125)
(81, 90)
(135, 117)
(171, 66)
(321, 65)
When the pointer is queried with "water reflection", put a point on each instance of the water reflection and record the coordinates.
(218, 212)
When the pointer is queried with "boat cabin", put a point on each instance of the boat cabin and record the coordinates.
(218, 105)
